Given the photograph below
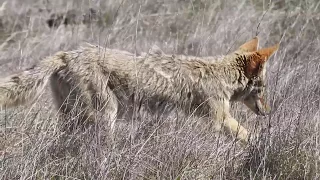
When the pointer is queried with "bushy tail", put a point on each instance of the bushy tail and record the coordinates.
(26, 86)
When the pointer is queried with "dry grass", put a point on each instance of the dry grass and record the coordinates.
(167, 146)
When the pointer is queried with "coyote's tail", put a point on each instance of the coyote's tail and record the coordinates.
(26, 86)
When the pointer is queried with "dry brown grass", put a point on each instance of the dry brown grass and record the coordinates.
(167, 146)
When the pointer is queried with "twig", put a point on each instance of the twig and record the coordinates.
(257, 31)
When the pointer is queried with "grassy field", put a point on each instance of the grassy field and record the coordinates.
(165, 146)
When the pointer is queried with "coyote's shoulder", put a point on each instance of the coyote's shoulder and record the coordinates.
(101, 77)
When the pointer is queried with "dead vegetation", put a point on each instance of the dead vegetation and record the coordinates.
(165, 146)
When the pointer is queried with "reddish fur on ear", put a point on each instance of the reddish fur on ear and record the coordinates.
(265, 53)
(256, 60)
(253, 65)
(250, 46)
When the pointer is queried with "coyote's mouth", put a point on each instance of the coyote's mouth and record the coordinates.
(262, 108)
(257, 105)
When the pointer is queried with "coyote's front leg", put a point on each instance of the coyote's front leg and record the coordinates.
(220, 113)
(236, 129)
(109, 105)
(105, 100)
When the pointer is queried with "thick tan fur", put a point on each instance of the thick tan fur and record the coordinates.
(100, 79)
(26, 86)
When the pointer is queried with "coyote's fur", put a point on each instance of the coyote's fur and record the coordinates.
(101, 77)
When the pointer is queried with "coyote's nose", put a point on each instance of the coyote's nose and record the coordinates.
(262, 108)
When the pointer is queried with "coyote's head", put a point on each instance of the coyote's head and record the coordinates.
(254, 61)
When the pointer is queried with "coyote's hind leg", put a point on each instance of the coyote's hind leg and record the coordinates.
(84, 97)
(106, 102)
(71, 100)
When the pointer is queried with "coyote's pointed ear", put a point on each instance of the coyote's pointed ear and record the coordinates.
(249, 46)
(155, 50)
(256, 61)
(265, 53)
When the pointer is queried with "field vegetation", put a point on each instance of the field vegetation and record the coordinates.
(166, 145)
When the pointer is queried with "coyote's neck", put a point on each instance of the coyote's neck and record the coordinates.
(238, 78)
(219, 74)
(231, 75)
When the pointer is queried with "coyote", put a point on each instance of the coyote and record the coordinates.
(97, 79)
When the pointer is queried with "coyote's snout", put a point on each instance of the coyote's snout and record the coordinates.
(97, 79)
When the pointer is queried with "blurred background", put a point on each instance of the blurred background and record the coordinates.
(33, 146)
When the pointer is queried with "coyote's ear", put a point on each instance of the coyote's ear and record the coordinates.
(265, 53)
(249, 46)
(256, 62)
(155, 50)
